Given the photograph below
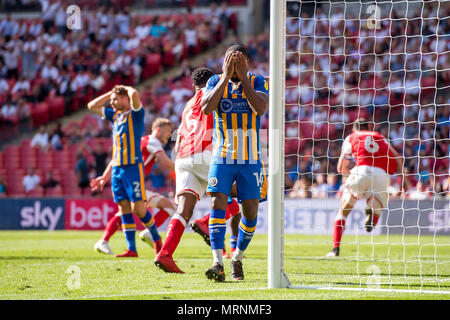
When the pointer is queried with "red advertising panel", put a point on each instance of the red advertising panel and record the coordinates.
(91, 214)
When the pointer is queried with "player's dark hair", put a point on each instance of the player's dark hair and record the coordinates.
(201, 75)
(238, 47)
(120, 90)
(361, 124)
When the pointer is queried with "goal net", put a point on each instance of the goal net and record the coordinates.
(333, 62)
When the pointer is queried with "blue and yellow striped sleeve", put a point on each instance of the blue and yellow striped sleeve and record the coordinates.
(261, 85)
(109, 113)
(212, 82)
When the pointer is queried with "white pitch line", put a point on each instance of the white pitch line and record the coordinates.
(96, 262)
(158, 293)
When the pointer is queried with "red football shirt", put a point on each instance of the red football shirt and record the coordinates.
(195, 131)
(370, 148)
(150, 146)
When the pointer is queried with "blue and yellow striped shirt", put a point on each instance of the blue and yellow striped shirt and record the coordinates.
(236, 126)
(128, 128)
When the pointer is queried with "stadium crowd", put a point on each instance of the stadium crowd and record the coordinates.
(396, 74)
(41, 59)
(48, 71)
(337, 71)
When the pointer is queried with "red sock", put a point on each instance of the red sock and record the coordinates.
(174, 232)
(339, 226)
(375, 219)
(232, 209)
(205, 219)
(160, 217)
(113, 225)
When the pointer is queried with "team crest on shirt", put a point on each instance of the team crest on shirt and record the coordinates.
(226, 105)
(212, 181)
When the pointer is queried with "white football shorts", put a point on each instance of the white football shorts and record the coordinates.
(367, 182)
(192, 174)
(153, 198)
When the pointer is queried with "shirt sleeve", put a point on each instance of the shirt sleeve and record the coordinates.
(154, 146)
(347, 146)
(108, 113)
(261, 85)
(212, 82)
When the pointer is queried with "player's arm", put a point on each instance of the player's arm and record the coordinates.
(343, 164)
(164, 160)
(258, 101)
(345, 158)
(96, 105)
(135, 100)
(211, 98)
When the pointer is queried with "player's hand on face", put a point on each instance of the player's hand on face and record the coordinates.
(240, 65)
(228, 65)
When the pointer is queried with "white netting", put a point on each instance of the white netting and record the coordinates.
(389, 62)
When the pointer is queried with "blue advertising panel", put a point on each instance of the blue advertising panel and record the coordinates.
(32, 214)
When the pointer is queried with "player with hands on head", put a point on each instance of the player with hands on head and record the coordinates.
(237, 98)
(126, 113)
(153, 152)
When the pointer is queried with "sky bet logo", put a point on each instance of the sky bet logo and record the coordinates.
(40, 216)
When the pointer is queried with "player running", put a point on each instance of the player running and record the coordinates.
(152, 152)
(374, 159)
(237, 98)
(191, 167)
(126, 113)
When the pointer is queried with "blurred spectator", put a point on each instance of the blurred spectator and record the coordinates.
(40, 139)
(157, 178)
(101, 156)
(179, 93)
(50, 181)
(11, 60)
(82, 170)
(419, 192)
(105, 130)
(3, 187)
(31, 180)
(190, 37)
(23, 110)
(9, 112)
(56, 140)
(75, 135)
(446, 187)
(4, 86)
(301, 189)
(22, 85)
(319, 188)
(332, 185)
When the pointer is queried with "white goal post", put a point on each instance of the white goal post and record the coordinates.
(276, 279)
(390, 65)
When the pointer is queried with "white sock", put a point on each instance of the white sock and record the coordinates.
(170, 211)
(218, 256)
(238, 255)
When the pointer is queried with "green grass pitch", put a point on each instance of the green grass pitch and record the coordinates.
(64, 265)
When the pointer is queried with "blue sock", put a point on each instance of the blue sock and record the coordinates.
(217, 229)
(129, 230)
(233, 241)
(148, 222)
(246, 231)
